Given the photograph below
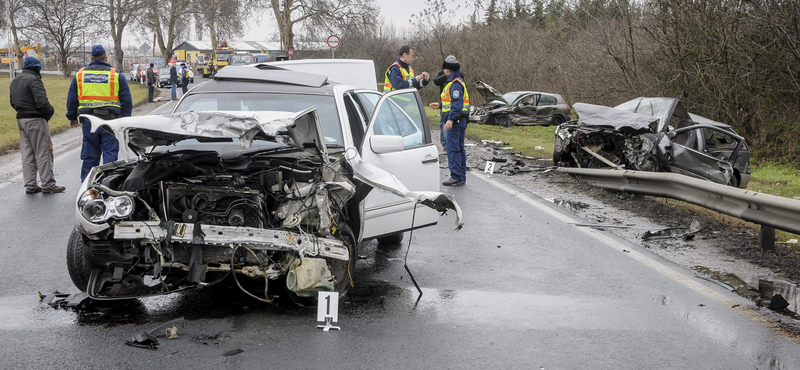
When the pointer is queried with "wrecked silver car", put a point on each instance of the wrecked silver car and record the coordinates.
(653, 134)
(184, 214)
(518, 108)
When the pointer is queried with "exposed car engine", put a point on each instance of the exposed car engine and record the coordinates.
(190, 218)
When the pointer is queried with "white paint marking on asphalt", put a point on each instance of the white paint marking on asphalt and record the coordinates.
(646, 260)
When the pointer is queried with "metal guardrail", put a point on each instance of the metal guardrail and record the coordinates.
(770, 211)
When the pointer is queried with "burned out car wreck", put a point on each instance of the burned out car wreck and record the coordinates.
(653, 134)
(286, 214)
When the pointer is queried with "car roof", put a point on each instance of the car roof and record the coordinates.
(223, 85)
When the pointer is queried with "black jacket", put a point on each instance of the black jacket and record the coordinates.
(28, 96)
(151, 76)
(173, 75)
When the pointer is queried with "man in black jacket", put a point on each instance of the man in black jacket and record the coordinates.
(173, 80)
(29, 99)
(151, 83)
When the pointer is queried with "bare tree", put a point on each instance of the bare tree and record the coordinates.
(117, 14)
(15, 8)
(224, 19)
(325, 15)
(169, 20)
(58, 23)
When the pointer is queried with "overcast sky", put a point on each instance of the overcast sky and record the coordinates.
(263, 26)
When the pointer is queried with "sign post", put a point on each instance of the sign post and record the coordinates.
(333, 43)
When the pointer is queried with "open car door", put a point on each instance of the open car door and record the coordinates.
(398, 141)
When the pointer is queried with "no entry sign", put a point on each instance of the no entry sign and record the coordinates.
(333, 41)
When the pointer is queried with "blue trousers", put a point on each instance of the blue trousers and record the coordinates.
(443, 136)
(456, 154)
(95, 145)
(174, 91)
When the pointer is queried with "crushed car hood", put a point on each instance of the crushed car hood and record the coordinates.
(606, 117)
(300, 129)
(488, 92)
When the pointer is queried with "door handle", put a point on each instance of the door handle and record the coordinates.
(430, 160)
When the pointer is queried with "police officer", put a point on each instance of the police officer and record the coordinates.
(455, 110)
(400, 75)
(101, 91)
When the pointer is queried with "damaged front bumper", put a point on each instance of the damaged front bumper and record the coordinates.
(232, 236)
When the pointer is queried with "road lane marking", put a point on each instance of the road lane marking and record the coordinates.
(648, 261)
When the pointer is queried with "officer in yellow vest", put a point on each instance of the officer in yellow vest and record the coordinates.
(400, 75)
(102, 91)
(454, 104)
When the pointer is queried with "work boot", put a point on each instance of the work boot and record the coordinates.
(53, 189)
(33, 190)
(453, 182)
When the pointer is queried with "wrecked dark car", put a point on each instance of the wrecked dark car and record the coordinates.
(268, 198)
(518, 108)
(653, 134)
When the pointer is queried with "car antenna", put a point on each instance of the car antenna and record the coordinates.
(405, 261)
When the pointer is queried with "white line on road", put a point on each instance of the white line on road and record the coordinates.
(646, 260)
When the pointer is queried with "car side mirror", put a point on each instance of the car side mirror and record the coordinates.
(382, 144)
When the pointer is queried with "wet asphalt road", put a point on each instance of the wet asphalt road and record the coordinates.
(516, 288)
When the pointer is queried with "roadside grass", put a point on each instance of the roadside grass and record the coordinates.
(57, 88)
(524, 139)
(769, 177)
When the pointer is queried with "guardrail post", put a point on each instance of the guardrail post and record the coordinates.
(767, 238)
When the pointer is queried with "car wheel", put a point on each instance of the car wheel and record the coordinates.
(733, 182)
(78, 265)
(504, 121)
(556, 120)
(393, 239)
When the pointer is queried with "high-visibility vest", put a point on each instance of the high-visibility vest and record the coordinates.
(97, 89)
(445, 98)
(407, 75)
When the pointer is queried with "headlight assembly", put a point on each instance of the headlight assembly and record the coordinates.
(97, 209)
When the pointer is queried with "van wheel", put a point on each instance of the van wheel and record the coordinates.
(78, 266)
(393, 239)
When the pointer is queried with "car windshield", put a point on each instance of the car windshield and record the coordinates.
(269, 102)
(511, 97)
(241, 59)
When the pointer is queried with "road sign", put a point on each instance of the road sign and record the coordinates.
(291, 52)
(328, 310)
(333, 41)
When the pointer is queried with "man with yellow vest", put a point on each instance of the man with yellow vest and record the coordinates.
(102, 91)
(454, 104)
(400, 75)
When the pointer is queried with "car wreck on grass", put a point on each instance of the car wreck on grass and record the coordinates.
(653, 134)
(284, 212)
(518, 108)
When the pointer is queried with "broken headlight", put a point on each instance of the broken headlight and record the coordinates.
(96, 208)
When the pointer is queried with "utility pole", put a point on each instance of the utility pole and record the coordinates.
(83, 33)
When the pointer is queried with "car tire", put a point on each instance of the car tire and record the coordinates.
(733, 182)
(78, 265)
(504, 121)
(388, 240)
(556, 120)
(344, 271)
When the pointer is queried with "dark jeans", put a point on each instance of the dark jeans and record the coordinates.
(151, 89)
(185, 86)
(456, 154)
(101, 143)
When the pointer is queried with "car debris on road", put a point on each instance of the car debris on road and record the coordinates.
(686, 233)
